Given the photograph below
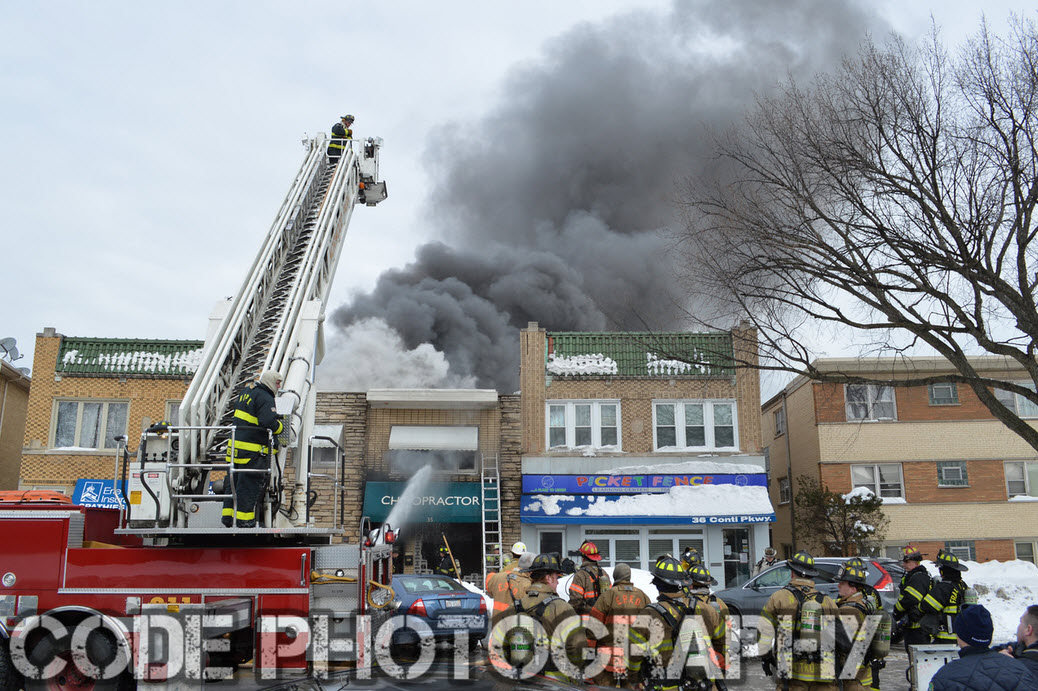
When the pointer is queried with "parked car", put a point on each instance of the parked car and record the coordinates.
(445, 607)
(748, 599)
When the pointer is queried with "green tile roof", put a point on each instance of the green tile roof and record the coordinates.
(640, 354)
(128, 357)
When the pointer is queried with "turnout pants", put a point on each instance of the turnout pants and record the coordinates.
(247, 487)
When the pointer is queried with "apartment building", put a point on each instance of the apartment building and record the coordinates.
(643, 453)
(951, 476)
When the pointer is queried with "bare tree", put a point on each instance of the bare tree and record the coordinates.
(894, 197)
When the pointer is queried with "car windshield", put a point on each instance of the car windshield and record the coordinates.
(425, 584)
(775, 578)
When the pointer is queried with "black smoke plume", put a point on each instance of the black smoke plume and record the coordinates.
(553, 208)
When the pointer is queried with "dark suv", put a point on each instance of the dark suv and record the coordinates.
(748, 599)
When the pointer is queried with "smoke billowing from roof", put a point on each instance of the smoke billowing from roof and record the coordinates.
(553, 207)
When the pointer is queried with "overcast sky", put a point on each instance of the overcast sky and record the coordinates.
(144, 147)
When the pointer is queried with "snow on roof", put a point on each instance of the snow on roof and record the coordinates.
(592, 363)
(683, 500)
(113, 356)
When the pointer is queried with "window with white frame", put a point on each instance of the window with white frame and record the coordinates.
(664, 541)
(780, 422)
(88, 424)
(173, 412)
(617, 545)
(695, 425)
(952, 474)
(964, 550)
(943, 394)
(884, 479)
(870, 402)
(1025, 552)
(573, 424)
(1017, 403)
(1021, 478)
(785, 491)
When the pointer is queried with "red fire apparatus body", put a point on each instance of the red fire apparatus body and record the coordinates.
(68, 562)
(160, 588)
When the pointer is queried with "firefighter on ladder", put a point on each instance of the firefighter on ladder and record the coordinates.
(254, 414)
(340, 133)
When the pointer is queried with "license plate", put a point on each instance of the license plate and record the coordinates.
(460, 621)
(452, 603)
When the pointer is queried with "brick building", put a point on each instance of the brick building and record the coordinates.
(468, 438)
(88, 391)
(643, 453)
(950, 474)
(14, 403)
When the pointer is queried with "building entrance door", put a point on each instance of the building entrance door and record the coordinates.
(736, 556)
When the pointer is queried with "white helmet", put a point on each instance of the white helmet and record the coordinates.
(518, 548)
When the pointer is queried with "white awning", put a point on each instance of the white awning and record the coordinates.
(332, 431)
(428, 437)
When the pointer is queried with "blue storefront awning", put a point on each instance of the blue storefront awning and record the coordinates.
(680, 505)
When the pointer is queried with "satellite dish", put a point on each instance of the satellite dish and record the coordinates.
(25, 371)
(8, 346)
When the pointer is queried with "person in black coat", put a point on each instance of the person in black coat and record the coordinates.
(340, 133)
(249, 448)
(915, 584)
(1025, 647)
(980, 667)
(447, 566)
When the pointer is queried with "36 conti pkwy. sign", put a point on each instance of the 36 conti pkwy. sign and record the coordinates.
(435, 502)
(633, 484)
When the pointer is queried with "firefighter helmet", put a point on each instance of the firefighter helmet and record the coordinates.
(700, 575)
(691, 556)
(546, 562)
(347, 118)
(947, 560)
(588, 550)
(518, 548)
(669, 570)
(770, 552)
(853, 573)
(803, 563)
(910, 553)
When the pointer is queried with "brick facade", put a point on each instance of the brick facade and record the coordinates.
(825, 444)
(14, 406)
(41, 463)
(636, 395)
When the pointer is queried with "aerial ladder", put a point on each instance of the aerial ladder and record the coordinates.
(273, 322)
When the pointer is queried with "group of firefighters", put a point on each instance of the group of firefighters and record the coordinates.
(635, 637)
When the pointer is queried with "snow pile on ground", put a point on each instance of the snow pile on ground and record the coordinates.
(641, 579)
(479, 591)
(715, 467)
(1005, 588)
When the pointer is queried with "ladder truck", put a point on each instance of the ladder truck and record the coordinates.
(82, 590)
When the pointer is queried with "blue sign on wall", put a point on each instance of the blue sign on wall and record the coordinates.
(97, 493)
(633, 484)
